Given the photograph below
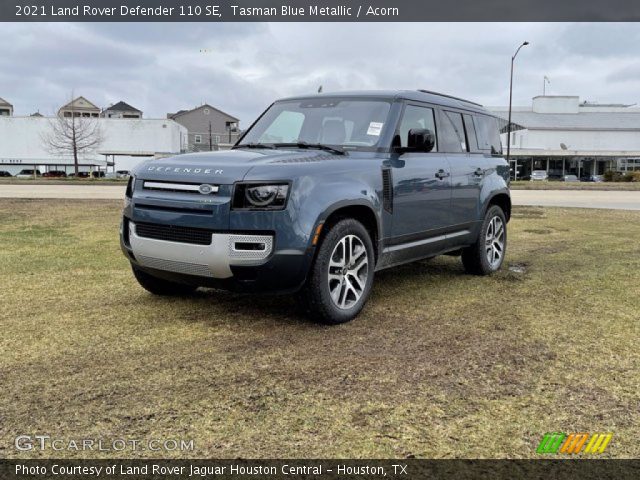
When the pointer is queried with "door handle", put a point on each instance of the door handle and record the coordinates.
(442, 174)
(479, 172)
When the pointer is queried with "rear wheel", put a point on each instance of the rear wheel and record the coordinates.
(340, 280)
(159, 286)
(486, 255)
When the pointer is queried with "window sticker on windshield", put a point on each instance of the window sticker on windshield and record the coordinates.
(375, 128)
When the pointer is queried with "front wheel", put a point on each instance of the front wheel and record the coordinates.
(486, 255)
(341, 277)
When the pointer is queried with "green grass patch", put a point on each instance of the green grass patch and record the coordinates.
(439, 364)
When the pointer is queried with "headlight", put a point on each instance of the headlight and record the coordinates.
(128, 193)
(260, 196)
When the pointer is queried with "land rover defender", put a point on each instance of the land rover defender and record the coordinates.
(320, 193)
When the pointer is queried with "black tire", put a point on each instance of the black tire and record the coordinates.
(159, 286)
(316, 297)
(476, 257)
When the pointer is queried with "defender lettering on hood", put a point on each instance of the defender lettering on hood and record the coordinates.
(195, 171)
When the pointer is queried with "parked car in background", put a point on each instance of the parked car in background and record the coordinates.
(592, 178)
(54, 174)
(97, 174)
(539, 175)
(80, 175)
(28, 173)
(570, 178)
(123, 173)
(4, 173)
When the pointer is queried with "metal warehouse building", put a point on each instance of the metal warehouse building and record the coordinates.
(125, 142)
(562, 135)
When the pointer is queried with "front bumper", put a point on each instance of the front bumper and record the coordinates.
(233, 261)
(214, 260)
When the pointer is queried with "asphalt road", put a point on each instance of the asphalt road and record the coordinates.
(619, 200)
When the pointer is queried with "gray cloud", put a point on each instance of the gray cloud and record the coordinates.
(241, 68)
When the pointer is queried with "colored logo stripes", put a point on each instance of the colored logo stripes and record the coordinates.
(573, 443)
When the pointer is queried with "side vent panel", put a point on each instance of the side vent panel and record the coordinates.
(387, 190)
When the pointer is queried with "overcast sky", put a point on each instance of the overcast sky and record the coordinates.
(241, 68)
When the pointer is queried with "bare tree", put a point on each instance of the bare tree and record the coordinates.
(73, 135)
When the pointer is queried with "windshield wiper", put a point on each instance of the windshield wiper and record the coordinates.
(256, 145)
(319, 146)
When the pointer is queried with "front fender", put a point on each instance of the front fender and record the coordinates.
(316, 200)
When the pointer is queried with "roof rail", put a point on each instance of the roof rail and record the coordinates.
(449, 96)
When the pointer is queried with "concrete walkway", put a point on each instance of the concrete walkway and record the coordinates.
(621, 200)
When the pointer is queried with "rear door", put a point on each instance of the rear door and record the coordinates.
(468, 167)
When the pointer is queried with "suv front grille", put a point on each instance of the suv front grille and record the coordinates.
(171, 233)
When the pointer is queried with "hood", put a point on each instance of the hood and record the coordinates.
(223, 167)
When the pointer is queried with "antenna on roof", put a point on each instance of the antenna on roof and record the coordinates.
(320, 89)
(545, 80)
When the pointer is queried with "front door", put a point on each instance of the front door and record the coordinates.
(421, 188)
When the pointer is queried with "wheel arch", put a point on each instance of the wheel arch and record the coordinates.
(502, 200)
(360, 211)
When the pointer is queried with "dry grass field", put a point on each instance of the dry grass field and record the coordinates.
(440, 364)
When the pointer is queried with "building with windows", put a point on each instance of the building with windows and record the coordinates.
(125, 142)
(121, 110)
(6, 109)
(208, 127)
(563, 135)
(79, 107)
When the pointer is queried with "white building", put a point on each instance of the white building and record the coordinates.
(125, 143)
(563, 135)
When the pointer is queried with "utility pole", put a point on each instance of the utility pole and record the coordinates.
(515, 173)
(210, 139)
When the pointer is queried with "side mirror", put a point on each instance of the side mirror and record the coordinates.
(420, 140)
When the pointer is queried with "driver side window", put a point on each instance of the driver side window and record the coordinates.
(414, 117)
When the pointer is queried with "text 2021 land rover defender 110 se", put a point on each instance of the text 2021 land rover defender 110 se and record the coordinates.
(318, 194)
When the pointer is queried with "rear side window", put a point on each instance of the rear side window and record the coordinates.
(451, 133)
(455, 120)
(487, 134)
(472, 141)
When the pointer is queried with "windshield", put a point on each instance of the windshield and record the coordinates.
(348, 123)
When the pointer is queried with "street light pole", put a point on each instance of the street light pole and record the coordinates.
(515, 171)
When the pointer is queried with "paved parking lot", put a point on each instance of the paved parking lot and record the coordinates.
(619, 200)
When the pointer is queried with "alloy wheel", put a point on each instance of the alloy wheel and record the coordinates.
(494, 242)
(348, 271)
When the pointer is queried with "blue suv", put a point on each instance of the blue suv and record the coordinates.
(320, 193)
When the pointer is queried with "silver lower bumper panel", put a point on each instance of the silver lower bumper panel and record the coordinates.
(213, 260)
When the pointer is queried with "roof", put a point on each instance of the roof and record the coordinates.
(574, 121)
(206, 105)
(80, 103)
(535, 152)
(122, 107)
(436, 98)
(4, 102)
